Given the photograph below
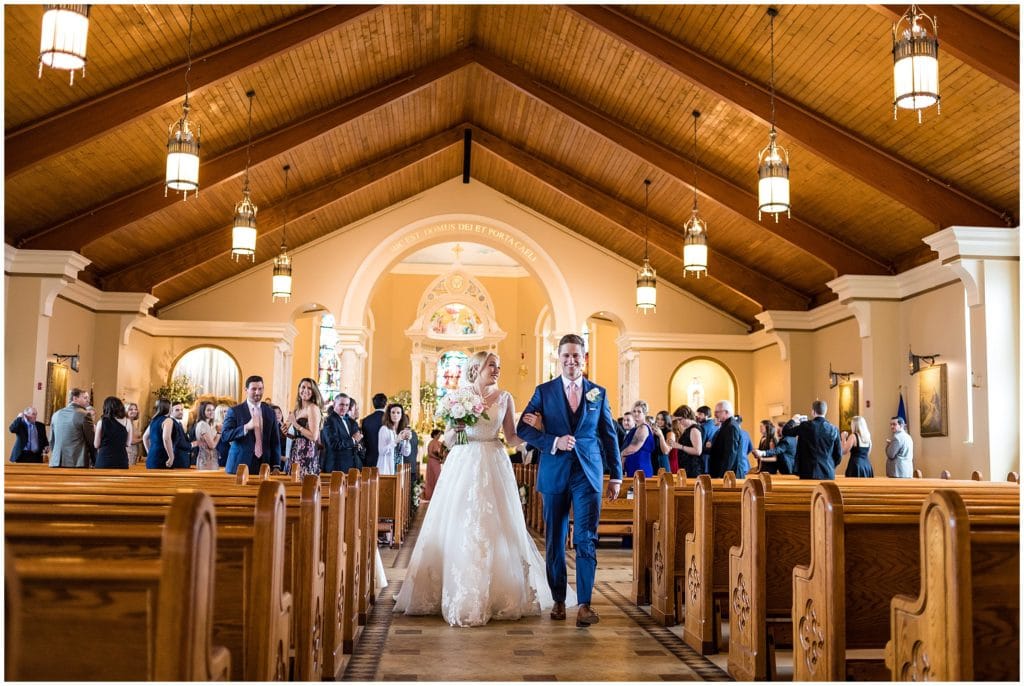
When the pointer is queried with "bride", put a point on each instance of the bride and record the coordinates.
(474, 560)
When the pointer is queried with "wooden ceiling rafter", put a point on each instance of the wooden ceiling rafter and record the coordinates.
(991, 49)
(739, 278)
(215, 243)
(59, 132)
(94, 223)
(835, 254)
(926, 195)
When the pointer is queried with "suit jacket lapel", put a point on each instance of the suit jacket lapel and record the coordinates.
(558, 389)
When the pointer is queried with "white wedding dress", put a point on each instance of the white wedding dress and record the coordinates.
(474, 560)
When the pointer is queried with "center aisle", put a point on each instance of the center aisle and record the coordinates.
(626, 646)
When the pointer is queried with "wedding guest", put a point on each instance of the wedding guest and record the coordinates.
(727, 444)
(708, 429)
(370, 427)
(304, 423)
(435, 458)
(163, 439)
(857, 442)
(218, 425)
(747, 447)
(353, 413)
(899, 451)
(30, 437)
(818, 451)
(393, 439)
(765, 443)
(341, 437)
(112, 438)
(627, 423)
(132, 416)
(664, 438)
(782, 457)
(73, 432)
(689, 443)
(207, 436)
(182, 442)
(253, 431)
(640, 444)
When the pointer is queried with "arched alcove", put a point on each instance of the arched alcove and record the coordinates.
(211, 369)
(702, 381)
(603, 329)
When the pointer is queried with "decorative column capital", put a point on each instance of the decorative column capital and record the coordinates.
(58, 263)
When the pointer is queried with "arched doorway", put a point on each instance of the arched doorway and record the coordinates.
(602, 331)
(701, 381)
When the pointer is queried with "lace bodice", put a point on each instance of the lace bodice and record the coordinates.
(487, 429)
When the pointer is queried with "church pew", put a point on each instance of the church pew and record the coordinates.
(775, 537)
(303, 571)
(251, 610)
(862, 554)
(356, 492)
(965, 623)
(111, 618)
(668, 546)
(392, 506)
(369, 514)
(646, 508)
(616, 516)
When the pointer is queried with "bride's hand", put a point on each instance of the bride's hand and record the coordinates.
(534, 419)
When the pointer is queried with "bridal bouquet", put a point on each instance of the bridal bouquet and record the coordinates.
(461, 406)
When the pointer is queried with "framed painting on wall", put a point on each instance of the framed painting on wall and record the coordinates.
(933, 401)
(849, 404)
(56, 388)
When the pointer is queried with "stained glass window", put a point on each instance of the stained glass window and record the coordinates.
(329, 369)
(449, 371)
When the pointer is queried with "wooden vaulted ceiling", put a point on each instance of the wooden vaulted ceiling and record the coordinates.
(570, 108)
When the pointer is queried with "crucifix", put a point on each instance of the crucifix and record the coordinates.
(458, 250)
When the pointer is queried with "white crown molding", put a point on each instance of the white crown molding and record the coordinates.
(896, 287)
(786, 320)
(688, 341)
(977, 242)
(180, 328)
(101, 301)
(429, 269)
(60, 263)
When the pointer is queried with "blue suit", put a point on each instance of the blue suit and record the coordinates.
(243, 443)
(572, 477)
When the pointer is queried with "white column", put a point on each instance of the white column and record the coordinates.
(417, 368)
(987, 261)
(351, 350)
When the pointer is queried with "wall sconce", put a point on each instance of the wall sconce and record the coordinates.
(72, 359)
(835, 377)
(916, 360)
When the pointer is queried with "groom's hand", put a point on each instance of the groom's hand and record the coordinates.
(613, 489)
(567, 442)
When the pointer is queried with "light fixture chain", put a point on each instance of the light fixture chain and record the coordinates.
(284, 228)
(696, 158)
(647, 202)
(248, 145)
(188, 69)
(772, 78)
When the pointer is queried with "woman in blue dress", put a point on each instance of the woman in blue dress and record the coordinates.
(639, 444)
(858, 443)
(163, 434)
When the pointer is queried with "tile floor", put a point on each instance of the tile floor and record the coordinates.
(626, 646)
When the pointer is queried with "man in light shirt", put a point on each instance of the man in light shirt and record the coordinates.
(252, 431)
(899, 451)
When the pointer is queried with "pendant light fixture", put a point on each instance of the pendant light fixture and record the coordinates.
(63, 38)
(646, 278)
(183, 141)
(243, 230)
(281, 285)
(695, 231)
(915, 69)
(773, 160)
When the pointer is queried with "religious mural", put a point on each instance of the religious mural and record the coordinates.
(455, 320)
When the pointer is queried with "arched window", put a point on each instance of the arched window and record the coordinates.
(328, 376)
(455, 320)
(701, 381)
(211, 371)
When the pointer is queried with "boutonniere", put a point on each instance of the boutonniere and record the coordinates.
(593, 394)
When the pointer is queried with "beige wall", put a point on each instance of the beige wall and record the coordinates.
(305, 361)
(657, 368)
(604, 358)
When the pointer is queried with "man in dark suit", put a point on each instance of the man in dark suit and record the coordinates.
(252, 431)
(708, 428)
(340, 436)
(30, 441)
(818, 450)
(727, 445)
(371, 429)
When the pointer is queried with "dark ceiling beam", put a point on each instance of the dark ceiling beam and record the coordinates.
(751, 285)
(974, 39)
(927, 195)
(215, 243)
(78, 231)
(57, 133)
(841, 257)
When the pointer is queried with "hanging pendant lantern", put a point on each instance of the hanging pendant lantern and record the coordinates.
(646, 278)
(182, 172)
(773, 160)
(63, 38)
(281, 283)
(915, 70)
(243, 229)
(695, 230)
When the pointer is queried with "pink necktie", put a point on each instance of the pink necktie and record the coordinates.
(258, 428)
(574, 396)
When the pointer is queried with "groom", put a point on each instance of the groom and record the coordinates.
(577, 441)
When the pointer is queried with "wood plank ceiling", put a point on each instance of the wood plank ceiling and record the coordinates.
(570, 109)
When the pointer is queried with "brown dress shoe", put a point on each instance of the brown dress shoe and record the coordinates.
(585, 616)
(558, 611)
